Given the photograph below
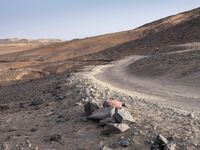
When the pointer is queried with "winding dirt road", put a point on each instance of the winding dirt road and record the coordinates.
(163, 92)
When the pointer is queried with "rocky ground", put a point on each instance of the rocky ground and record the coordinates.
(181, 64)
(181, 127)
(48, 113)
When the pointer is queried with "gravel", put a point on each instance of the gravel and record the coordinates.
(151, 119)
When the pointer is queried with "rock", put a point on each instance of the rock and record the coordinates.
(50, 114)
(161, 140)
(102, 113)
(112, 103)
(11, 128)
(124, 142)
(106, 121)
(115, 128)
(90, 107)
(37, 102)
(4, 107)
(60, 97)
(21, 105)
(28, 143)
(105, 148)
(122, 114)
(191, 115)
(4, 146)
(161, 143)
(33, 129)
(170, 146)
(36, 148)
(55, 138)
(79, 104)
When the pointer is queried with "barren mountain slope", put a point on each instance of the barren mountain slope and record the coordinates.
(183, 32)
(77, 48)
(27, 60)
(181, 66)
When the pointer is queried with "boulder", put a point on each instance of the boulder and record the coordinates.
(112, 103)
(90, 107)
(102, 113)
(115, 128)
(121, 115)
(106, 121)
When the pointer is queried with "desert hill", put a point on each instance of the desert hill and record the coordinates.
(175, 32)
(60, 56)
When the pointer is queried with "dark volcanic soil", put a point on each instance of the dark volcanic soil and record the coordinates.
(47, 114)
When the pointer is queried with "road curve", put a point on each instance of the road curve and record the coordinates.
(157, 91)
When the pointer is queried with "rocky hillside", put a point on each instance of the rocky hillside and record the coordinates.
(180, 31)
(60, 56)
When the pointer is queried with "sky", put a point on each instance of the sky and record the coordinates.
(69, 19)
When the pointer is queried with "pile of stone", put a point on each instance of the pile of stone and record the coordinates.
(111, 115)
(161, 143)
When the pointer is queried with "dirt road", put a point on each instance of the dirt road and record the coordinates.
(159, 91)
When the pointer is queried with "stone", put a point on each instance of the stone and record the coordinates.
(121, 115)
(161, 143)
(112, 103)
(21, 105)
(60, 97)
(170, 146)
(105, 148)
(115, 128)
(37, 102)
(54, 138)
(4, 146)
(33, 129)
(106, 121)
(161, 140)
(191, 115)
(4, 107)
(28, 143)
(36, 148)
(124, 142)
(90, 107)
(50, 114)
(102, 113)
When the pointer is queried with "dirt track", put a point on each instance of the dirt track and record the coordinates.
(159, 91)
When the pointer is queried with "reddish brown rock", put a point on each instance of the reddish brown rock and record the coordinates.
(113, 103)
